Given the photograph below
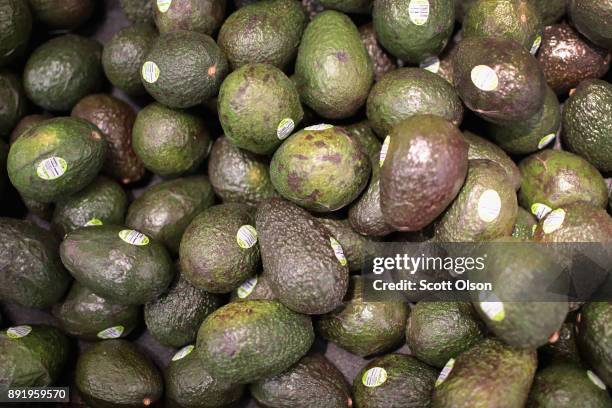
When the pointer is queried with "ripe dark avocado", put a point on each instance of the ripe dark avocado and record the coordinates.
(124, 54)
(170, 142)
(15, 30)
(364, 328)
(490, 374)
(406, 92)
(66, 14)
(62, 71)
(394, 381)
(365, 214)
(258, 107)
(32, 355)
(383, 61)
(88, 316)
(219, 248)
(267, 31)
(593, 19)
(340, 86)
(102, 202)
(413, 30)
(565, 349)
(13, 103)
(481, 148)
(254, 288)
(595, 338)
(525, 225)
(424, 168)
(138, 11)
(354, 245)
(318, 279)
(312, 382)
(587, 123)
(56, 158)
(114, 373)
(121, 265)
(498, 79)
(26, 123)
(239, 175)
(320, 168)
(203, 16)
(183, 69)
(576, 222)
(165, 210)
(244, 342)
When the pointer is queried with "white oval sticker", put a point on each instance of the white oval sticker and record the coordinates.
(484, 78)
(546, 140)
(184, 352)
(164, 5)
(553, 221)
(338, 251)
(536, 45)
(246, 236)
(111, 333)
(489, 205)
(247, 287)
(150, 72)
(374, 377)
(448, 367)
(540, 210)
(18, 332)
(431, 64)
(596, 380)
(284, 128)
(322, 126)
(418, 10)
(383, 151)
(134, 237)
(51, 168)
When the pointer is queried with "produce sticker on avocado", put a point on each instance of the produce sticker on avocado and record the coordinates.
(134, 237)
(182, 353)
(18, 332)
(374, 377)
(536, 45)
(93, 222)
(285, 127)
(431, 64)
(246, 288)
(51, 168)
(446, 370)
(540, 210)
(246, 236)
(544, 141)
(596, 380)
(322, 126)
(484, 78)
(384, 150)
(111, 333)
(553, 221)
(338, 251)
(163, 5)
(150, 72)
(418, 10)
(489, 206)
(492, 307)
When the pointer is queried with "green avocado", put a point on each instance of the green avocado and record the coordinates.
(254, 288)
(593, 19)
(482, 149)
(383, 61)
(26, 123)
(66, 14)
(575, 222)
(595, 338)
(13, 103)
(138, 11)
(525, 225)
(203, 16)
(15, 30)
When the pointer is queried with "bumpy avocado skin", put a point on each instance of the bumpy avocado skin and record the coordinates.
(382, 60)
(138, 11)
(593, 19)
(595, 338)
(203, 16)
(13, 103)
(582, 222)
(15, 29)
(525, 224)
(481, 148)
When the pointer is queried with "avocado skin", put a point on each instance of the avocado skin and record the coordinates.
(550, 11)
(138, 11)
(521, 83)
(13, 103)
(365, 214)
(302, 167)
(413, 191)
(312, 382)
(409, 383)
(84, 314)
(481, 148)
(103, 199)
(348, 6)
(317, 281)
(238, 175)
(66, 14)
(210, 234)
(244, 342)
(354, 245)
(383, 61)
(557, 178)
(16, 28)
(582, 223)
(565, 349)
(91, 255)
(114, 373)
(370, 144)
(203, 16)
(593, 20)
(587, 123)
(75, 140)
(25, 123)
(470, 383)
(175, 317)
(189, 385)
(340, 86)
(165, 210)
(524, 225)
(261, 291)
(594, 338)
(411, 91)
(361, 327)
(253, 100)
(125, 53)
(35, 360)
(62, 71)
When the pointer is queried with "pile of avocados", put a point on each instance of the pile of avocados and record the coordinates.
(189, 190)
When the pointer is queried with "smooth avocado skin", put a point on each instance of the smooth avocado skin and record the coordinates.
(203, 16)
(62, 71)
(312, 381)
(581, 222)
(13, 103)
(66, 14)
(15, 30)
(56, 158)
(409, 383)
(594, 338)
(483, 149)
(244, 342)
(165, 210)
(91, 255)
(337, 88)
(593, 20)
(211, 254)
(365, 214)
(138, 11)
(190, 69)
(254, 102)
(406, 92)
(114, 373)
(413, 190)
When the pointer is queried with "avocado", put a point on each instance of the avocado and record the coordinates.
(267, 31)
(121, 265)
(312, 382)
(244, 342)
(365, 214)
(56, 158)
(165, 210)
(554, 178)
(238, 175)
(411, 91)
(102, 202)
(524, 225)
(62, 71)
(354, 245)
(175, 317)
(25, 123)
(138, 11)
(183, 69)
(550, 11)
(254, 288)
(32, 356)
(320, 168)
(498, 79)
(202, 16)
(170, 142)
(124, 55)
(575, 222)
(490, 374)
(413, 30)
(383, 61)
(565, 349)
(595, 338)
(425, 166)
(90, 317)
(394, 381)
(114, 373)
(481, 148)
(219, 248)
(16, 30)
(258, 107)
(189, 385)
(593, 20)
(333, 70)
(67, 14)
(363, 133)
(587, 123)
(13, 103)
